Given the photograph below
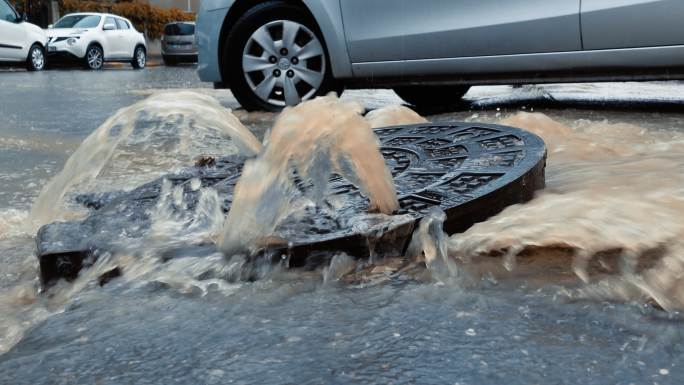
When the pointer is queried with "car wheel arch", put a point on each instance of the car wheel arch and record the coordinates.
(38, 43)
(96, 43)
(241, 7)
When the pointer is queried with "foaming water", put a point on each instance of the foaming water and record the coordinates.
(166, 132)
(613, 190)
(157, 135)
(392, 116)
(315, 139)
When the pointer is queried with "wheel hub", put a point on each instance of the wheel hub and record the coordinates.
(284, 63)
(284, 46)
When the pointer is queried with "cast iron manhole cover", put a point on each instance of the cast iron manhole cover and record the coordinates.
(470, 170)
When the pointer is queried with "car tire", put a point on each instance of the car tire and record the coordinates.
(35, 61)
(169, 61)
(139, 60)
(278, 75)
(432, 96)
(94, 58)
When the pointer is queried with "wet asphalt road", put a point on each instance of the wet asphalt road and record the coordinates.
(73, 102)
(46, 115)
(148, 335)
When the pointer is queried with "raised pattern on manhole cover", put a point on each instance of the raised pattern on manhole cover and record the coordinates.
(471, 171)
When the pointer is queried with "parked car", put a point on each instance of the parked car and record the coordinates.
(178, 43)
(96, 38)
(20, 42)
(276, 53)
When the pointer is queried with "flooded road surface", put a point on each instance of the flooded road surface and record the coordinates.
(524, 315)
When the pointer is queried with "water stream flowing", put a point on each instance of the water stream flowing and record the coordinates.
(314, 139)
(608, 227)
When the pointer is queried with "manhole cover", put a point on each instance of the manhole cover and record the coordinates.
(470, 170)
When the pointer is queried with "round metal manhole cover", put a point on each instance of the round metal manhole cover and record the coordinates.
(470, 170)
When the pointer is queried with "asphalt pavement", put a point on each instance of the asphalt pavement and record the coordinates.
(46, 115)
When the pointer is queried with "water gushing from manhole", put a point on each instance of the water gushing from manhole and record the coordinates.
(314, 139)
(158, 134)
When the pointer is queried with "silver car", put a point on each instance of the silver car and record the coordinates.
(276, 53)
(178, 43)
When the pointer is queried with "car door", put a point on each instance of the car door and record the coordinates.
(610, 24)
(374, 29)
(12, 34)
(114, 38)
(436, 29)
(128, 39)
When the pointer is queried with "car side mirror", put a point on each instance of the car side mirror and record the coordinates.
(49, 26)
(24, 17)
(109, 27)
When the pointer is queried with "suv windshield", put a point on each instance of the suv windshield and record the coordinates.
(78, 21)
(179, 29)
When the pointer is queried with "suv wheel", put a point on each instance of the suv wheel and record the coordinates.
(94, 58)
(432, 96)
(275, 57)
(139, 58)
(36, 58)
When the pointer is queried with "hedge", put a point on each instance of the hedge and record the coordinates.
(145, 17)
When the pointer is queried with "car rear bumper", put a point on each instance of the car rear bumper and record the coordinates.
(181, 58)
(177, 52)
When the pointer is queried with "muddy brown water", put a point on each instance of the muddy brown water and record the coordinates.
(568, 288)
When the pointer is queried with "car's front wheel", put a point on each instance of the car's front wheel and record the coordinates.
(432, 96)
(275, 57)
(36, 58)
(139, 58)
(94, 58)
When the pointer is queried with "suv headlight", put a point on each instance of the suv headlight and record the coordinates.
(72, 40)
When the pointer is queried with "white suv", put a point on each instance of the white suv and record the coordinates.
(20, 42)
(95, 38)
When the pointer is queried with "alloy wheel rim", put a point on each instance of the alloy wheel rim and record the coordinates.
(37, 59)
(141, 58)
(94, 58)
(284, 63)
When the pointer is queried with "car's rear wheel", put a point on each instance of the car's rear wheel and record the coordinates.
(139, 58)
(94, 58)
(275, 57)
(35, 61)
(432, 96)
